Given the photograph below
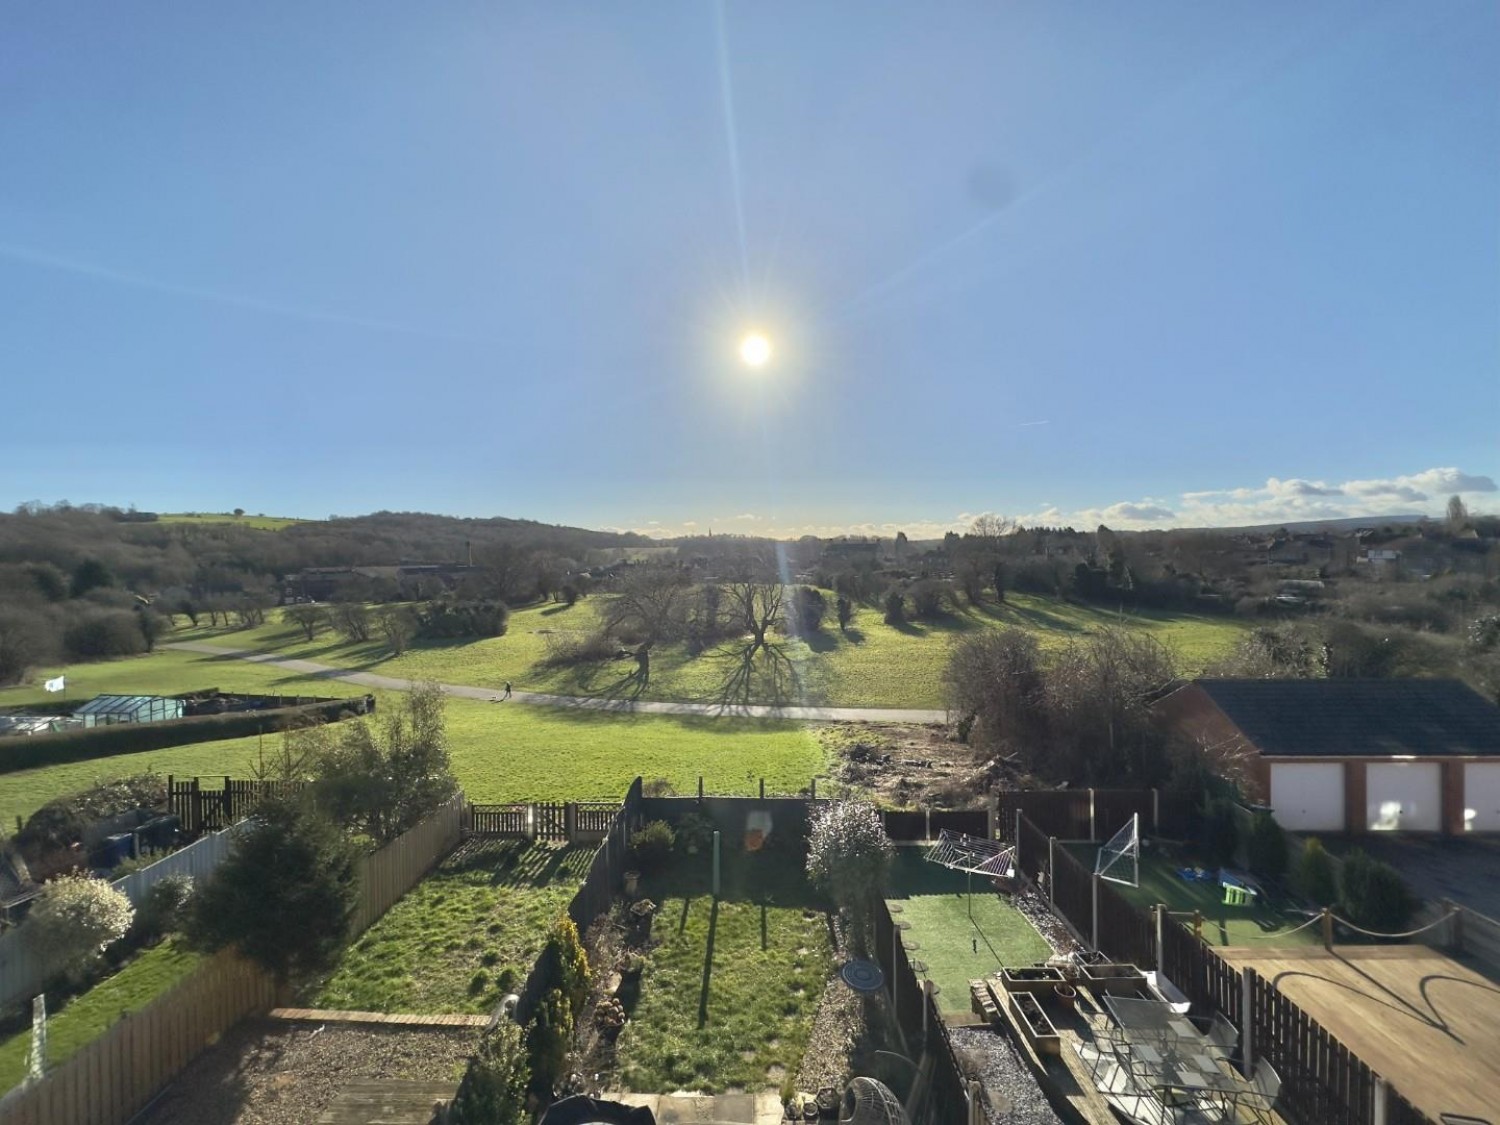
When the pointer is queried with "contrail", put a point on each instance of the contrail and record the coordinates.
(234, 300)
(1023, 425)
(731, 135)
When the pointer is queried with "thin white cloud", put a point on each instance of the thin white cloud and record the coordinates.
(1278, 500)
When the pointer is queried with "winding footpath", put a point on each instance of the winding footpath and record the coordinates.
(313, 670)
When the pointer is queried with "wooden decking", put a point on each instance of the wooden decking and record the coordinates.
(386, 1101)
(398, 1019)
(1428, 1024)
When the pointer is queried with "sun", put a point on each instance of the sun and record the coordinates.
(755, 350)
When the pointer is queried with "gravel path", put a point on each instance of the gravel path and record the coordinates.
(1015, 1097)
(273, 1072)
(315, 670)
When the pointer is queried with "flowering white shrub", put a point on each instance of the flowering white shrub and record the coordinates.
(74, 919)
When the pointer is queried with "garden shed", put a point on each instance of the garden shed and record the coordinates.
(106, 710)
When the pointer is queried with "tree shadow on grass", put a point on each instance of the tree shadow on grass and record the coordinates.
(521, 863)
(708, 964)
(755, 674)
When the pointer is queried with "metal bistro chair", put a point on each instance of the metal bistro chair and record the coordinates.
(1260, 1099)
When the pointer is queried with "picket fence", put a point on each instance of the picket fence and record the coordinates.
(109, 1081)
(23, 971)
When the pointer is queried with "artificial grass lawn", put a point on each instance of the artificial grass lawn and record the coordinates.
(464, 936)
(1266, 923)
(960, 939)
(728, 995)
(872, 664)
(89, 1015)
(500, 752)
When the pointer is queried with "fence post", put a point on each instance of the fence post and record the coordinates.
(1328, 929)
(1161, 933)
(1455, 925)
(1156, 812)
(1247, 1018)
(1094, 886)
(976, 1103)
(926, 1004)
(1382, 1106)
(927, 823)
(1051, 844)
(814, 789)
(570, 820)
(700, 788)
(895, 990)
(762, 789)
(992, 818)
(1093, 833)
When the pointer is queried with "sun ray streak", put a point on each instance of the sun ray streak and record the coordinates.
(234, 300)
(731, 137)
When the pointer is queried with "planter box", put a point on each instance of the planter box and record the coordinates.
(1033, 1024)
(1114, 979)
(1038, 978)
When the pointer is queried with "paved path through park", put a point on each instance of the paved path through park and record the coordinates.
(313, 670)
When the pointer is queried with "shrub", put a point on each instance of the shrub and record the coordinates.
(928, 598)
(564, 650)
(695, 832)
(494, 1088)
(1373, 895)
(808, 609)
(848, 856)
(844, 608)
(658, 787)
(549, 1038)
(1315, 877)
(651, 847)
(571, 963)
(895, 608)
(75, 918)
(285, 895)
(1267, 847)
(165, 906)
(111, 632)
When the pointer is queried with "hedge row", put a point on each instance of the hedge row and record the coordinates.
(24, 753)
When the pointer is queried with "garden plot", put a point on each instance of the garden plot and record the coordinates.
(731, 984)
(463, 937)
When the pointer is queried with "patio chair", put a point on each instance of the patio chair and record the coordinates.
(1260, 1099)
(1223, 1038)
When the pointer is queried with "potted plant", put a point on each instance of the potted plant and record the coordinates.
(1067, 996)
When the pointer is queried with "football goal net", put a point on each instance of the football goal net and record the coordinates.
(1119, 860)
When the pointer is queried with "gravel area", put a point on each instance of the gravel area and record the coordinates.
(1014, 1096)
(1033, 904)
(273, 1072)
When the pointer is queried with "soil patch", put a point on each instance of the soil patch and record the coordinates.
(913, 764)
(268, 1072)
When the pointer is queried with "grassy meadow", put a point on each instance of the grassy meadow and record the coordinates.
(259, 523)
(871, 664)
(500, 752)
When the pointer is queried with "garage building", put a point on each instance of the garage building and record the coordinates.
(1354, 755)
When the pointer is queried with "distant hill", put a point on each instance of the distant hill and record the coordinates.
(1312, 526)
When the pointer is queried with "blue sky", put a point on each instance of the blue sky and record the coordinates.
(1149, 263)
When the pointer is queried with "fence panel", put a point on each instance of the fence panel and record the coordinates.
(1204, 977)
(388, 874)
(1063, 813)
(1113, 809)
(1322, 1082)
(1032, 847)
(551, 820)
(500, 820)
(112, 1078)
(596, 817)
(971, 822)
(1073, 891)
(1126, 933)
(905, 826)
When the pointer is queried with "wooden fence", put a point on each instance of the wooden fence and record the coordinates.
(573, 821)
(203, 809)
(1323, 1082)
(111, 1079)
(920, 1022)
(24, 969)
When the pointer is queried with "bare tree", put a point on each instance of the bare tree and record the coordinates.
(755, 598)
(1458, 515)
(311, 619)
(651, 604)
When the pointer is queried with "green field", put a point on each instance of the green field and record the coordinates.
(88, 1016)
(731, 986)
(500, 752)
(872, 664)
(260, 523)
(959, 936)
(464, 936)
(1268, 922)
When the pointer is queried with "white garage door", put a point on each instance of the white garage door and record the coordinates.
(1308, 796)
(1404, 797)
(1482, 797)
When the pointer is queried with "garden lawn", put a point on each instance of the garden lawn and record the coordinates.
(500, 752)
(1266, 923)
(89, 1015)
(959, 939)
(871, 664)
(464, 936)
(728, 994)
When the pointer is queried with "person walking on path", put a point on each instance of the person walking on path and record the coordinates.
(507, 689)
